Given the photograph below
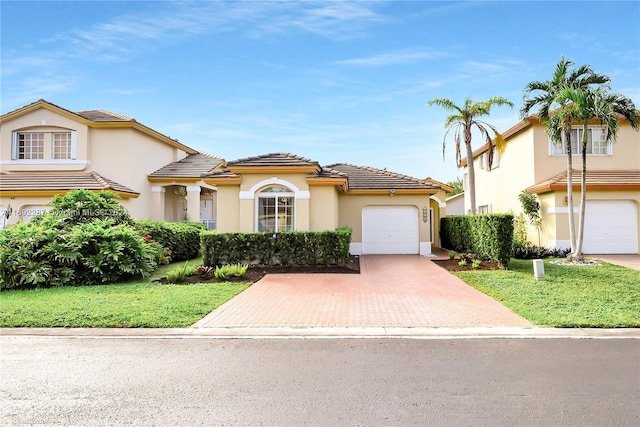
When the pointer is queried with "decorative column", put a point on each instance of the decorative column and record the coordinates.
(157, 203)
(193, 203)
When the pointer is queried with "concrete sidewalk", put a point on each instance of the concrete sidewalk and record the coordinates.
(392, 291)
(628, 261)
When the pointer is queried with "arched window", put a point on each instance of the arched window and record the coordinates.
(275, 206)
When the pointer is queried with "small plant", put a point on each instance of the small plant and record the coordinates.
(476, 263)
(452, 255)
(462, 262)
(205, 272)
(228, 270)
(178, 274)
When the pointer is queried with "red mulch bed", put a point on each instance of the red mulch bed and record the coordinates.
(452, 265)
(255, 273)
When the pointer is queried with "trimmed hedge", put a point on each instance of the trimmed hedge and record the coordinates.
(290, 248)
(182, 238)
(488, 236)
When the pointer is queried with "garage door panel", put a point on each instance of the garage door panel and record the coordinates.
(390, 230)
(611, 227)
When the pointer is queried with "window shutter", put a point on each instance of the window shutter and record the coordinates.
(73, 145)
(14, 146)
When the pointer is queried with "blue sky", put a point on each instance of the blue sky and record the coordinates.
(331, 81)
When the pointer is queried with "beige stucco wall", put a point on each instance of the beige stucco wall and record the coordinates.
(499, 188)
(323, 208)
(127, 156)
(228, 208)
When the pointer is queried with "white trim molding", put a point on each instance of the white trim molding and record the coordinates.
(298, 194)
(193, 189)
(440, 202)
(425, 249)
(158, 189)
(563, 210)
(355, 248)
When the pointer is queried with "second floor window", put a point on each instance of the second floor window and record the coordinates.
(61, 146)
(30, 146)
(596, 143)
(43, 145)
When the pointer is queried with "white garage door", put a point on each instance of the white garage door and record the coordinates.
(390, 230)
(611, 227)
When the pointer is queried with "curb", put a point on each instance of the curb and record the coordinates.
(335, 332)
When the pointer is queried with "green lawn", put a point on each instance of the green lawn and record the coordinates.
(136, 304)
(585, 296)
(606, 296)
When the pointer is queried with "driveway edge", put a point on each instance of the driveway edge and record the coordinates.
(337, 332)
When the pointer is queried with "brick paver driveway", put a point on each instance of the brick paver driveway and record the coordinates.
(390, 291)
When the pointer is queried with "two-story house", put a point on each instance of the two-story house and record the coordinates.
(533, 163)
(47, 150)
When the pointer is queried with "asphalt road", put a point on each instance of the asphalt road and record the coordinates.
(328, 382)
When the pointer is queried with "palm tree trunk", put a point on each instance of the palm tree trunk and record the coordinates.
(471, 170)
(572, 228)
(577, 255)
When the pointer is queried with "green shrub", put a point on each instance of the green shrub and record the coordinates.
(181, 240)
(534, 252)
(291, 248)
(488, 236)
(462, 262)
(476, 263)
(229, 270)
(178, 274)
(81, 206)
(50, 252)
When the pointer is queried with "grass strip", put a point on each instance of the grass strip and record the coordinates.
(137, 304)
(606, 296)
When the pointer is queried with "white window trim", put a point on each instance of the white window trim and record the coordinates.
(51, 160)
(259, 195)
(553, 147)
(299, 194)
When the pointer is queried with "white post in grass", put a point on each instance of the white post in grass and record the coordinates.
(538, 269)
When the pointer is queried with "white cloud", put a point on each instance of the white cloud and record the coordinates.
(391, 58)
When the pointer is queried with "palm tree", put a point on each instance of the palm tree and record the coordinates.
(557, 115)
(463, 120)
(606, 108)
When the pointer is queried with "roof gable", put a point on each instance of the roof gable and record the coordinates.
(276, 162)
(97, 119)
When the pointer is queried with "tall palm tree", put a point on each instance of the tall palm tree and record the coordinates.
(463, 120)
(557, 115)
(606, 108)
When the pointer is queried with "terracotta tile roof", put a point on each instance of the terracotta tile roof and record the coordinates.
(220, 173)
(327, 172)
(194, 165)
(274, 159)
(365, 178)
(596, 180)
(60, 181)
(104, 116)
